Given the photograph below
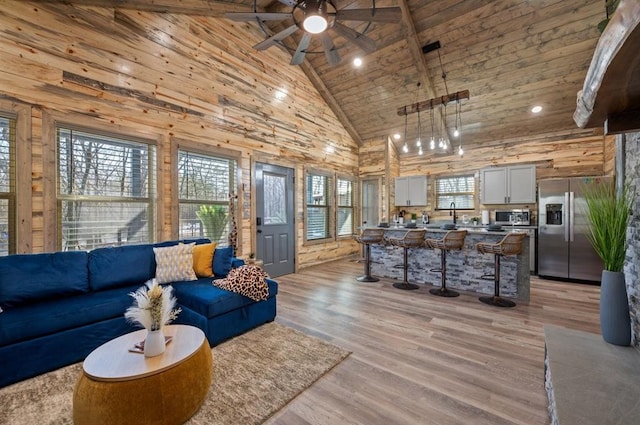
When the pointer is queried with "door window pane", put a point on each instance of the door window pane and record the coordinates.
(275, 199)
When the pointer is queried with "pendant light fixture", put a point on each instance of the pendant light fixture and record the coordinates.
(457, 132)
(432, 142)
(419, 139)
(405, 148)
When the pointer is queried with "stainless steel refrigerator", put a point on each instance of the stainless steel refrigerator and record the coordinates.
(563, 248)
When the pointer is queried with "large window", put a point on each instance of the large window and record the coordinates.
(318, 202)
(204, 185)
(7, 184)
(460, 190)
(345, 206)
(106, 190)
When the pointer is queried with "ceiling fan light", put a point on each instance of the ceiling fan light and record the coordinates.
(315, 24)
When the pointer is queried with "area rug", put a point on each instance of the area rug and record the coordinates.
(254, 376)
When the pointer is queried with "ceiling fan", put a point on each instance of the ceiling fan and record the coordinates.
(319, 17)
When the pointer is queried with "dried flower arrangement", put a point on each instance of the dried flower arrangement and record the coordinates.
(153, 306)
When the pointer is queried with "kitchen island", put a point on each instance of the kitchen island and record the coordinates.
(464, 267)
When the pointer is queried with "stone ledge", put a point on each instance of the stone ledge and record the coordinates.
(589, 381)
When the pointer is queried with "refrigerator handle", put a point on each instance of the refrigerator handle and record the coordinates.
(565, 213)
(572, 211)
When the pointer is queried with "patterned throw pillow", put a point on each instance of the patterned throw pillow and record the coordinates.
(247, 280)
(174, 263)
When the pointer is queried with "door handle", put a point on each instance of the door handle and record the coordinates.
(259, 221)
(565, 217)
(258, 231)
(572, 215)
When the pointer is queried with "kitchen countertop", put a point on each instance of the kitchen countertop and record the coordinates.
(469, 229)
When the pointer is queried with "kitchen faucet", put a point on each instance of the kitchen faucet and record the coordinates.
(452, 211)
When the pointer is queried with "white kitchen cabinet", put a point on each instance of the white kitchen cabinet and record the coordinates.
(508, 185)
(411, 191)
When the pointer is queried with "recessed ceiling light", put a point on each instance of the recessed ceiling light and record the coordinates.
(536, 109)
(357, 62)
(397, 136)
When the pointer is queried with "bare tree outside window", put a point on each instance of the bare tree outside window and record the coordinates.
(104, 194)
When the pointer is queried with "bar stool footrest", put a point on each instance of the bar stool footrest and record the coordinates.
(444, 292)
(405, 285)
(497, 301)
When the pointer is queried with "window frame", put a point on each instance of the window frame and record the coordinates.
(177, 144)
(11, 194)
(233, 185)
(329, 206)
(352, 207)
(472, 193)
(153, 181)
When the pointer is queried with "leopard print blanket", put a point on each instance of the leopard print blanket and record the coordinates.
(247, 280)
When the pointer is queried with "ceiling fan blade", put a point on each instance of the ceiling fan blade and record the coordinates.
(329, 49)
(261, 16)
(275, 38)
(384, 14)
(301, 51)
(360, 40)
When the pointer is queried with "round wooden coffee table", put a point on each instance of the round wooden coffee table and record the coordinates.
(120, 387)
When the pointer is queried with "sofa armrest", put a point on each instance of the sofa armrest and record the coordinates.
(236, 262)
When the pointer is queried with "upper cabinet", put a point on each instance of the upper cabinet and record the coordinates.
(411, 191)
(508, 185)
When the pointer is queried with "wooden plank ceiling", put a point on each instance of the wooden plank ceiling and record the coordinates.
(509, 54)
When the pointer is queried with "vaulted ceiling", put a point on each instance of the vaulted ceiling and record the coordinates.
(509, 54)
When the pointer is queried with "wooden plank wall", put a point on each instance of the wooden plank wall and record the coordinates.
(166, 76)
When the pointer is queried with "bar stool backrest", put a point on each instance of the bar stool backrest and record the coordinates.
(372, 235)
(414, 238)
(511, 244)
(454, 239)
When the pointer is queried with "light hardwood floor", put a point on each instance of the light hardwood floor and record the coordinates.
(421, 359)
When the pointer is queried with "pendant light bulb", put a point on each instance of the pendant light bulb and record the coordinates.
(456, 133)
(432, 143)
(460, 151)
(418, 142)
(420, 152)
(405, 148)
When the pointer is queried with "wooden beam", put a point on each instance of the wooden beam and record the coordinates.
(184, 7)
(432, 103)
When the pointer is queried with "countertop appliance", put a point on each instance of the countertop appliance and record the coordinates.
(563, 248)
(515, 217)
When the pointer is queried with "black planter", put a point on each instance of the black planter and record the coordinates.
(615, 322)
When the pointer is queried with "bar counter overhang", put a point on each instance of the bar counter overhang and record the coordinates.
(464, 267)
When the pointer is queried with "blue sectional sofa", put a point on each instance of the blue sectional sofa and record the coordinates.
(58, 307)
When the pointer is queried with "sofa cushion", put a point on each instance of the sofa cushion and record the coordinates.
(174, 263)
(52, 316)
(29, 278)
(248, 280)
(203, 297)
(114, 267)
(203, 259)
(222, 261)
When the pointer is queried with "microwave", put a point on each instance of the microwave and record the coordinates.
(521, 217)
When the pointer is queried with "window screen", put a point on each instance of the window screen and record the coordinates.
(204, 184)
(460, 189)
(7, 184)
(106, 188)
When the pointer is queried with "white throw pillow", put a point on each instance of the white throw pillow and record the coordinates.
(174, 263)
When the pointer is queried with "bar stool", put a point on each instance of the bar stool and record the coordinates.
(511, 244)
(411, 239)
(368, 237)
(453, 239)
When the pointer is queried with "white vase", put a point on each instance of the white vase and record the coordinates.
(154, 343)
